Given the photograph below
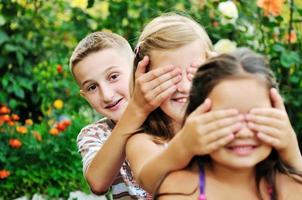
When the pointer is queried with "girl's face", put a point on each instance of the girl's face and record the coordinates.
(183, 58)
(245, 150)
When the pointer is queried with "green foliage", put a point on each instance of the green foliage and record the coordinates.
(37, 38)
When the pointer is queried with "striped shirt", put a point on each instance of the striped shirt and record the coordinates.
(89, 141)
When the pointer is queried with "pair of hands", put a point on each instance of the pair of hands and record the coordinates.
(153, 87)
(206, 131)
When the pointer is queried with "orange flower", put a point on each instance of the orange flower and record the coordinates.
(15, 143)
(273, 7)
(11, 123)
(37, 135)
(4, 110)
(54, 131)
(292, 37)
(4, 174)
(29, 122)
(15, 117)
(21, 129)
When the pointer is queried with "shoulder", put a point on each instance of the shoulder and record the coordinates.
(288, 187)
(99, 128)
(189, 177)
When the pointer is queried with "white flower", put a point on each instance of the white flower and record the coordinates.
(229, 11)
(225, 46)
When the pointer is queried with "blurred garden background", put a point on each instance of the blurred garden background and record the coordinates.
(41, 111)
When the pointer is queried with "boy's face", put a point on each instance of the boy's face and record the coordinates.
(103, 77)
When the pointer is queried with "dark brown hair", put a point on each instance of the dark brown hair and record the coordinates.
(241, 63)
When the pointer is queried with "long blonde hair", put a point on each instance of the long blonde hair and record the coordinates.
(167, 32)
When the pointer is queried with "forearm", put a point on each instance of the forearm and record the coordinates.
(107, 162)
(172, 158)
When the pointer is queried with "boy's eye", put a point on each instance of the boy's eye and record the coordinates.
(91, 88)
(113, 76)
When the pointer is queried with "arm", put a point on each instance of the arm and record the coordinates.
(108, 160)
(201, 134)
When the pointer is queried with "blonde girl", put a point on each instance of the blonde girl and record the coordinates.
(176, 40)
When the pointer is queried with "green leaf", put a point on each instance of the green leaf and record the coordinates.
(3, 37)
(289, 58)
(278, 47)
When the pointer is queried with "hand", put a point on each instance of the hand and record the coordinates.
(153, 87)
(273, 127)
(205, 132)
(194, 67)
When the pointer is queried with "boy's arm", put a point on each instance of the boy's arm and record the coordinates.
(150, 90)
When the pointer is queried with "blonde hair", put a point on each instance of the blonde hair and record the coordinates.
(170, 31)
(167, 32)
(98, 41)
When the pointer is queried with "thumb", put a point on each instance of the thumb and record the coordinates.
(211, 54)
(276, 99)
(203, 108)
(141, 67)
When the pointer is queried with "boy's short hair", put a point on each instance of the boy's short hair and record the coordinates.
(98, 41)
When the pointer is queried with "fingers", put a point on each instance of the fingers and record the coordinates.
(210, 54)
(267, 130)
(263, 120)
(159, 72)
(276, 99)
(269, 112)
(229, 129)
(222, 124)
(161, 77)
(141, 67)
(219, 143)
(274, 142)
(202, 108)
(218, 114)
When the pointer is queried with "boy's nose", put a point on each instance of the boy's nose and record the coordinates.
(106, 94)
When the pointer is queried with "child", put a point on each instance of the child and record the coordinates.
(101, 64)
(178, 40)
(250, 166)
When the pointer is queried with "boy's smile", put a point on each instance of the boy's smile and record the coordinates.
(104, 80)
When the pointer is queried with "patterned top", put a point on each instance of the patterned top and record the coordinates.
(89, 141)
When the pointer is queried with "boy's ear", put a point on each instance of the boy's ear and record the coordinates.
(82, 93)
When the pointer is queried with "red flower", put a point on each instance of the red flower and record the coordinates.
(60, 126)
(4, 174)
(15, 143)
(59, 68)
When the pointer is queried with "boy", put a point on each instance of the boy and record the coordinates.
(102, 64)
